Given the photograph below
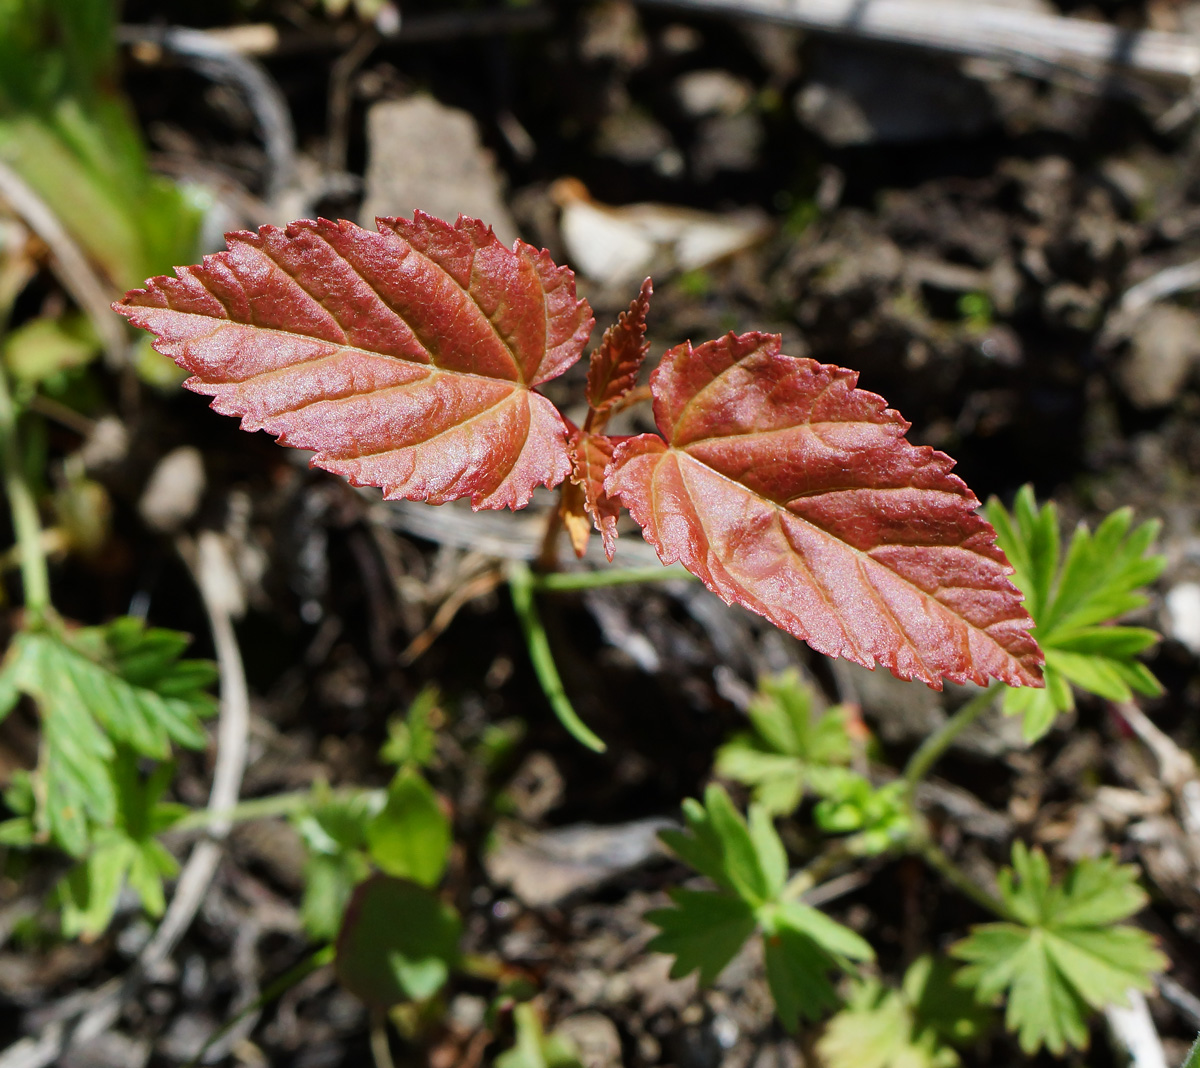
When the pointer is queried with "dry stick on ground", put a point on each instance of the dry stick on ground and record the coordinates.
(980, 29)
(71, 266)
(213, 571)
(1134, 1032)
(217, 59)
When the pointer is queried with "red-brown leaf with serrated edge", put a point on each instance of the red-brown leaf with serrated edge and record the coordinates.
(615, 364)
(590, 457)
(791, 492)
(405, 358)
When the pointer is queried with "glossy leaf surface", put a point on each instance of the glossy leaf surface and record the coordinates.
(789, 491)
(406, 359)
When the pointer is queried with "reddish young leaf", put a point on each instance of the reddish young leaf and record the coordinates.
(615, 364)
(789, 491)
(405, 358)
(590, 457)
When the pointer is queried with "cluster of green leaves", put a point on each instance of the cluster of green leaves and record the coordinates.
(375, 858)
(705, 929)
(1073, 600)
(72, 137)
(915, 1026)
(109, 697)
(100, 690)
(791, 750)
(794, 751)
(1063, 950)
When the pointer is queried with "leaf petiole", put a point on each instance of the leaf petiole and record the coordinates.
(280, 986)
(521, 585)
(936, 744)
(564, 581)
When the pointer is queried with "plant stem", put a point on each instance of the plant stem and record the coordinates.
(817, 870)
(918, 767)
(941, 739)
(937, 859)
(381, 1050)
(257, 808)
(561, 581)
(521, 586)
(26, 525)
(285, 982)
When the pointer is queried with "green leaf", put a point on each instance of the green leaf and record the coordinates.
(100, 688)
(704, 931)
(749, 862)
(411, 837)
(533, 1047)
(802, 946)
(1073, 607)
(879, 816)
(791, 750)
(42, 348)
(397, 942)
(797, 974)
(1066, 952)
(332, 823)
(329, 880)
(1193, 1058)
(878, 1029)
(941, 1005)
(413, 739)
(88, 894)
(837, 940)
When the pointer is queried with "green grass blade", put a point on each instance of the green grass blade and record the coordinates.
(520, 585)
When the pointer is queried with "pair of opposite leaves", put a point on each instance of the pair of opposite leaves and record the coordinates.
(408, 359)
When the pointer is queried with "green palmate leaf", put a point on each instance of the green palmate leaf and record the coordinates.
(534, 1048)
(906, 1028)
(747, 860)
(410, 837)
(100, 688)
(791, 749)
(397, 942)
(1066, 953)
(1100, 579)
(704, 931)
(128, 851)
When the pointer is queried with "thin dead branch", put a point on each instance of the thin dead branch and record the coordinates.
(1004, 34)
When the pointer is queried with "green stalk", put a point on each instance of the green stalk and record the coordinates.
(521, 586)
(27, 526)
(919, 765)
(257, 808)
(280, 986)
(940, 740)
(936, 858)
(561, 581)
